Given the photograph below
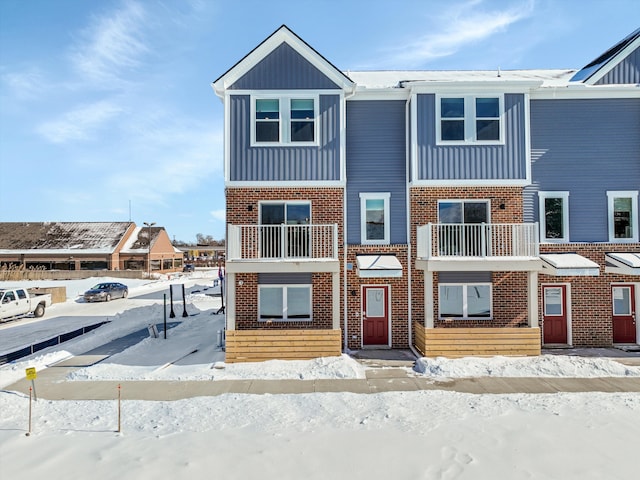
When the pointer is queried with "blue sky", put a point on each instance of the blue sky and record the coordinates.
(106, 108)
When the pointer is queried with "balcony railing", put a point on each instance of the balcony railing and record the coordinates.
(282, 242)
(478, 240)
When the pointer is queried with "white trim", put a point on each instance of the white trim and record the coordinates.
(470, 118)
(465, 306)
(285, 287)
(285, 183)
(527, 135)
(582, 91)
(471, 183)
(613, 194)
(386, 198)
(542, 196)
(284, 117)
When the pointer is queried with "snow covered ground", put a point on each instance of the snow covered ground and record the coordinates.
(399, 435)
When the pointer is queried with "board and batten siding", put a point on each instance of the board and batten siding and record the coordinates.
(472, 162)
(376, 161)
(284, 163)
(284, 69)
(626, 72)
(586, 147)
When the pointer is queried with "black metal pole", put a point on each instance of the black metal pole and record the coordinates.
(184, 303)
(165, 315)
(172, 314)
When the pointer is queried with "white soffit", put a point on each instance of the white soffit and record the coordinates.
(623, 263)
(568, 264)
(370, 266)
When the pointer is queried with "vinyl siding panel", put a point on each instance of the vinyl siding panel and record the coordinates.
(627, 71)
(585, 147)
(284, 278)
(284, 69)
(472, 162)
(285, 163)
(376, 162)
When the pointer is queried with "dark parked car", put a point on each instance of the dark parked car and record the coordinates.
(189, 267)
(103, 292)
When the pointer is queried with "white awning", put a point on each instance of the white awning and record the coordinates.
(378, 266)
(568, 264)
(623, 263)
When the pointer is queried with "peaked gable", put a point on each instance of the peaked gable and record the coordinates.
(618, 65)
(284, 68)
(291, 43)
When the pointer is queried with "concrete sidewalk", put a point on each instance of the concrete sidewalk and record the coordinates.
(51, 384)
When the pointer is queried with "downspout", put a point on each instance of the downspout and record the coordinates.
(344, 227)
(408, 140)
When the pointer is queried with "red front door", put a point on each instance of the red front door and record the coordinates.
(624, 313)
(375, 315)
(554, 316)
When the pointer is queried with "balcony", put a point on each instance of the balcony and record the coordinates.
(483, 246)
(265, 246)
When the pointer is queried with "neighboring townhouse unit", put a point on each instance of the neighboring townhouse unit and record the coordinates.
(458, 213)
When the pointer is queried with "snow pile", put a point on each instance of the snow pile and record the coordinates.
(542, 366)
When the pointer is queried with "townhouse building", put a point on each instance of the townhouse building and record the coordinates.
(453, 212)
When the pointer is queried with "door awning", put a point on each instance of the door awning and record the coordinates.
(568, 264)
(623, 263)
(381, 265)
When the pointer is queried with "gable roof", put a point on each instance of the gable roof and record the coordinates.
(88, 237)
(273, 41)
(596, 69)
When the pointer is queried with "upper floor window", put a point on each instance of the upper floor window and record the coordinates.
(284, 120)
(469, 119)
(554, 216)
(374, 218)
(623, 216)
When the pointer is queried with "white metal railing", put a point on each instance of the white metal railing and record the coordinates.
(252, 242)
(478, 240)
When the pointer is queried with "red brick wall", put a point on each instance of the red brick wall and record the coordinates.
(326, 208)
(398, 294)
(591, 302)
(509, 288)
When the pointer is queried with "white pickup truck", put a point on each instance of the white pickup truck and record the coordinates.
(18, 302)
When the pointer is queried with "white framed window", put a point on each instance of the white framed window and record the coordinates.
(284, 303)
(469, 119)
(623, 216)
(553, 208)
(465, 300)
(375, 226)
(284, 120)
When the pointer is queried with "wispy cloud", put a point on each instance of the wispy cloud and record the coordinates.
(463, 24)
(23, 85)
(80, 123)
(220, 214)
(111, 45)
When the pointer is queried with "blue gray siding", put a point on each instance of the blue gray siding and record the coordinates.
(376, 162)
(472, 162)
(284, 69)
(627, 71)
(585, 147)
(290, 163)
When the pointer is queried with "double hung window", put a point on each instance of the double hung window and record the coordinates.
(284, 120)
(374, 218)
(465, 301)
(469, 119)
(623, 216)
(554, 216)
